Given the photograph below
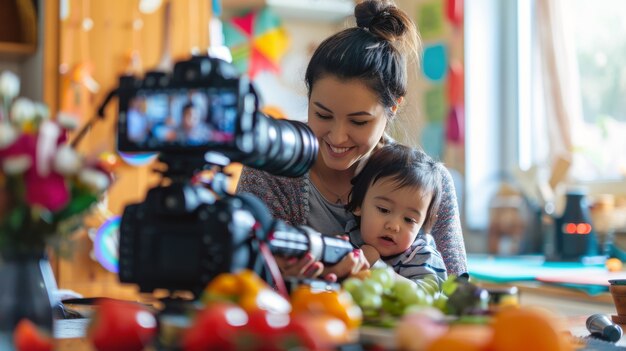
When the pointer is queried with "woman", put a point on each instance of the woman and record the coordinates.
(356, 80)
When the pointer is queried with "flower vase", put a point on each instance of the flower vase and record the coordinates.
(23, 293)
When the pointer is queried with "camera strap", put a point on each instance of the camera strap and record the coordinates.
(273, 269)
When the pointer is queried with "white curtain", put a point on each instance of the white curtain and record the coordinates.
(556, 94)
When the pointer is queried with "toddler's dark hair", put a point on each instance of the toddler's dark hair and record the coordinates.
(407, 167)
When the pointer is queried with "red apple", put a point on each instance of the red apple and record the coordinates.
(121, 326)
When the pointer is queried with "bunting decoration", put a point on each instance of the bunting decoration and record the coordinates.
(257, 41)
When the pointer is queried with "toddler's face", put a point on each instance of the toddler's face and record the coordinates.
(391, 217)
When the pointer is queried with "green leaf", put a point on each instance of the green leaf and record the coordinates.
(77, 205)
(450, 285)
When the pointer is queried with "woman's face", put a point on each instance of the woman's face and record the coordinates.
(347, 119)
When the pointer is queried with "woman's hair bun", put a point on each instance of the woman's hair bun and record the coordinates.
(381, 18)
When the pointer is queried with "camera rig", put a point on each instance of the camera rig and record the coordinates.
(186, 232)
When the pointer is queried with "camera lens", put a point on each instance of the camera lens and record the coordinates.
(283, 147)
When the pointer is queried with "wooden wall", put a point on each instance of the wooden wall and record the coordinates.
(97, 42)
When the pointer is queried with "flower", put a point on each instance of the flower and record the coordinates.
(46, 187)
(9, 85)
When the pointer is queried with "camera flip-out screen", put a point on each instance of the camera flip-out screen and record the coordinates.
(181, 118)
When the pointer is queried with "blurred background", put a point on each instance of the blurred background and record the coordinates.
(523, 100)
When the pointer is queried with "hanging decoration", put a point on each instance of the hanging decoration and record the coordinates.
(257, 41)
(430, 19)
(435, 103)
(435, 62)
(454, 12)
(433, 140)
(441, 25)
(455, 126)
(454, 84)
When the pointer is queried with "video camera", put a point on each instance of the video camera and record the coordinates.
(184, 233)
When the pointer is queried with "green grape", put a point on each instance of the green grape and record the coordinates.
(372, 287)
(408, 293)
(429, 300)
(392, 306)
(370, 314)
(429, 286)
(449, 285)
(371, 302)
(384, 276)
(433, 281)
(352, 285)
(441, 302)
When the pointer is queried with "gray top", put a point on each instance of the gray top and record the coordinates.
(324, 216)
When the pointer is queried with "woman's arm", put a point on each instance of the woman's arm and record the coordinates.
(447, 229)
(282, 196)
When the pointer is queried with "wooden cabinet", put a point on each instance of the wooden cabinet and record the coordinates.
(18, 29)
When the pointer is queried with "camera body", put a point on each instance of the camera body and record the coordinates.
(204, 105)
(152, 110)
(185, 233)
(180, 237)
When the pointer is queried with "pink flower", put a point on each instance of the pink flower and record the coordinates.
(49, 191)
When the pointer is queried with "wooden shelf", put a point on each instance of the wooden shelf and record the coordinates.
(16, 51)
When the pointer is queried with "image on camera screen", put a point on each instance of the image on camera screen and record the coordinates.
(181, 118)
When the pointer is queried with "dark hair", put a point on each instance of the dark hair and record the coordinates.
(375, 51)
(405, 165)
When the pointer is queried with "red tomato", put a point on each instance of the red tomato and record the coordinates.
(267, 331)
(28, 338)
(215, 328)
(300, 336)
(263, 331)
(121, 326)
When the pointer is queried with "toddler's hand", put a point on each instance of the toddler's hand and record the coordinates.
(352, 263)
(305, 267)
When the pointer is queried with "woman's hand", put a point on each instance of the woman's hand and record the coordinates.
(304, 267)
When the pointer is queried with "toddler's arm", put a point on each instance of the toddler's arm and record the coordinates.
(371, 254)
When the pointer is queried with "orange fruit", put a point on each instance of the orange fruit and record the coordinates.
(250, 282)
(515, 329)
(613, 264)
(464, 337)
(334, 303)
(225, 284)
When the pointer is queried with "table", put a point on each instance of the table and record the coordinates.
(575, 305)
(563, 301)
(70, 333)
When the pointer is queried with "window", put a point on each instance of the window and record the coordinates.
(600, 137)
(596, 34)
(508, 117)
